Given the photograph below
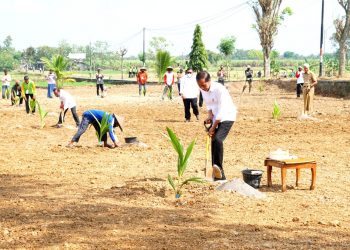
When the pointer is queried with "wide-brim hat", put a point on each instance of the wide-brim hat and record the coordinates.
(118, 121)
(169, 67)
(143, 68)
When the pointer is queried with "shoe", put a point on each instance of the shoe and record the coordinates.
(217, 172)
(197, 117)
(187, 120)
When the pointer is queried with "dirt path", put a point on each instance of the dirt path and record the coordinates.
(90, 197)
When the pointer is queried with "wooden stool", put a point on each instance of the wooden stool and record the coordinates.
(296, 164)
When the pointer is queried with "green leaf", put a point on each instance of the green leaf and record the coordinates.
(171, 182)
(177, 146)
(187, 156)
(192, 179)
(104, 126)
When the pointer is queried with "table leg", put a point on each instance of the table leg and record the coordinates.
(313, 180)
(269, 173)
(283, 177)
(297, 172)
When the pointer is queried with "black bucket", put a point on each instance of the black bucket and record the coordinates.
(130, 139)
(252, 177)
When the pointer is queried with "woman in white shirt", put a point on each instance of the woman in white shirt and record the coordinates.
(221, 114)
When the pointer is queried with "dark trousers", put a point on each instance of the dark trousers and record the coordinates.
(188, 103)
(200, 100)
(29, 97)
(299, 86)
(217, 143)
(98, 87)
(74, 113)
(222, 81)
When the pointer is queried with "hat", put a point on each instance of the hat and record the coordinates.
(306, 65)
(26, 78)
(248, 66)
(118, 120)
(54, 89)
(169, 67)
(143, 68)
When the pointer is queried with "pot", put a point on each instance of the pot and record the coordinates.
(130, 139)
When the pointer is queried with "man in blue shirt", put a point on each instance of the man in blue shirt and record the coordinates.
(91, 117)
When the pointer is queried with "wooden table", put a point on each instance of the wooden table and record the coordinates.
(296, 164)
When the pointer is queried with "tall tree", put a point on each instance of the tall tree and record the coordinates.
(227, 47)
(8, 42)
(198, 55)
(268, 18)
(342, 29)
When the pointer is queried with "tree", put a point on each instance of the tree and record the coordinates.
(255, 54)
(268, 18)
(8, 42)
(342, 29)
(159, 43)
(163, 60)
(64, 48)
(59, 65)
(213, 57)
(227, 46)
(122, 52)
(198, 55)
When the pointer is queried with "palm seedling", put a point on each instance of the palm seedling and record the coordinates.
(276, 113)
(42, 114)
(103, 125)
(182, 161)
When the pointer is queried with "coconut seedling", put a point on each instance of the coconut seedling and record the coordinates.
(32, 104)
(182, 161)
(42, 114)
(104, 126)
(276, 113)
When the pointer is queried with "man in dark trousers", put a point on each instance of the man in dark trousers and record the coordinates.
(221, 114)
(189, 94)
(94, 117)
(248, 78)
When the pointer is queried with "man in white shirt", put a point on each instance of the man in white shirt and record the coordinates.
(189, 94)
(6, 80)
(67, 102)
(51, 83)
(169, 80)
(300, 80)
(221, 114)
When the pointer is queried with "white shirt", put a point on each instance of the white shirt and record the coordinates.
(51, 79)
(219, 101)
(169, 78)
(67, 99)
(6, 80)
(300, 79)
(189, 87)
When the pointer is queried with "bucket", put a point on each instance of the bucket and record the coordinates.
(130, 139)
(252, 177)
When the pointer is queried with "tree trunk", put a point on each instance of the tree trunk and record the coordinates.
(342, 58)
(122, 69)
(267, 65)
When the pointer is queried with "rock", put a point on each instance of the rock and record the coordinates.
(267, 245)
(295, 219)
(6, 232)
(334, 223)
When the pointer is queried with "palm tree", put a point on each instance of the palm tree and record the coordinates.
(58, 64)
(163, 60)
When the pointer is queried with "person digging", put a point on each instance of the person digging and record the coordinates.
(67, 102)
(94, 117)
(221, 116)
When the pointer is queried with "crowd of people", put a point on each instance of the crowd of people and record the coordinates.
(220, 108)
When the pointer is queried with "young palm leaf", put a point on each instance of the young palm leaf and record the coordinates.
(42, 114)
(32, 104)
(276, 111)
(103, 125)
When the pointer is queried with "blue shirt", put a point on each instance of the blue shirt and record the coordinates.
(89, 114)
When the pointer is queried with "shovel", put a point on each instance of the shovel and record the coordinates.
(208, 170)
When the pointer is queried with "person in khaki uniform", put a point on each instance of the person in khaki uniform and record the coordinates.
(310, 82)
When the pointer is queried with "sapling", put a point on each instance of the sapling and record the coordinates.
(182, 161)
(104, 126)
(276, 113)
(42, 114)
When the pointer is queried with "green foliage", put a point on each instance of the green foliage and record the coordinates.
(159, 43)
(255, 54)
(103, 125)
(261, 87)
(276, 113)
(182, 162)
(227, 45)
(198, 55)
(58, 64)
(32, 104)
(42, 114)
(163, 60)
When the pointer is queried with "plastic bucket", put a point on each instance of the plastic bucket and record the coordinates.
(130, 139)
(252, 177)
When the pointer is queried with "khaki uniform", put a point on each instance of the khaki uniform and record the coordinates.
(308, 92)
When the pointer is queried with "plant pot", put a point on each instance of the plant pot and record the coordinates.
(252, 177)
(130, 139)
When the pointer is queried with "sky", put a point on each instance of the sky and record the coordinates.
(120, 23)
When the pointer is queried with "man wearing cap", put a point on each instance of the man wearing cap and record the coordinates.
(189, 94)
(310, 81)
(142, 80)
(300, 80)
(28, 94)
(94, 117)
(169, 80)
(99, 82)
(51, 83)
(248, 78)
(221, 116)
(67, 102)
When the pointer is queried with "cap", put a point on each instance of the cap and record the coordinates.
(26, 78)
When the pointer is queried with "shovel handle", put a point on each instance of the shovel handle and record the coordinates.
(208, 125)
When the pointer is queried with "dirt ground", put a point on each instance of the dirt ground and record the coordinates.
(88, 197)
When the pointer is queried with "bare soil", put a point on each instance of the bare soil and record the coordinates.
(53, 197)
